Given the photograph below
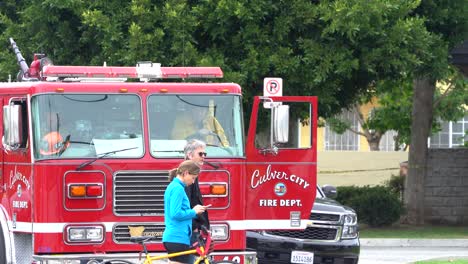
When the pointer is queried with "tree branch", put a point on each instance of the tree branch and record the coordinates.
(357, 132)
(445, 94)
(361, 121)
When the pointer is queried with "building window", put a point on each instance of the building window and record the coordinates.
(346, 141)
(387, 142)
(453, 134)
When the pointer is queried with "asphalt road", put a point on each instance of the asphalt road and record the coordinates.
(400, 255)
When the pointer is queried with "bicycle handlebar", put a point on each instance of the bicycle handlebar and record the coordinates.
(204, 240)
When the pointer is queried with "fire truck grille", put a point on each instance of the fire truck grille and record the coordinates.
(139, 193)
(313, 233)
(324, 217)
(122, 232)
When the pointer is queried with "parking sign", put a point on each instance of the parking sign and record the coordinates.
(273, 87)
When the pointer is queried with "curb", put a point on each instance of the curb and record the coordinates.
(396, 242)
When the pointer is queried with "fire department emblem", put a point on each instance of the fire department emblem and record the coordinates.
(280, 189)
(136, 231)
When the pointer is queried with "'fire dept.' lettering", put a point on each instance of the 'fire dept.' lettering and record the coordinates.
(280, 202)
(269, 175)
(20, 204)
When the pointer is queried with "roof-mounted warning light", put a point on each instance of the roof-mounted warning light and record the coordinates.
(144, 70)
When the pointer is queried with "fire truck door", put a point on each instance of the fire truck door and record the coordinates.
(2, 176)
(281, 178)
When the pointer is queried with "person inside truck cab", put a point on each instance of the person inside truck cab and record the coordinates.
(52, 142)
(199, 122)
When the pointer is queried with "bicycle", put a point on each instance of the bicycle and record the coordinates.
(202, 249)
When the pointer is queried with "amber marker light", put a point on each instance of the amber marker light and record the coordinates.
(123, 90)
(143, 90)
(77, 190)
(225, 91)
(60, 90)
(163, 90)
(218, 189)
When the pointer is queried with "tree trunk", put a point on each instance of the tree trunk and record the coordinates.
(373, 139)
(396, 139)
(420, 130)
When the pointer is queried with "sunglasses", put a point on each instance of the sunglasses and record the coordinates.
(202, 154)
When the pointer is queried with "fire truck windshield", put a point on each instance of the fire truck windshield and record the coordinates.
(214, 119)
(87, 126)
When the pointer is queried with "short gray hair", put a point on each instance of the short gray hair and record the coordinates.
(192, 145)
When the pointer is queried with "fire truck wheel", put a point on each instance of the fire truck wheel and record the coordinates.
(2, 248)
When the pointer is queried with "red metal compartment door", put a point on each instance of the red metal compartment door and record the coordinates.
(2, 177)
(280, 187)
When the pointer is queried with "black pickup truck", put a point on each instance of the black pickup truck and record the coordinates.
(332, 236)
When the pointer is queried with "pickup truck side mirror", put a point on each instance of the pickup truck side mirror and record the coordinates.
(329, 191)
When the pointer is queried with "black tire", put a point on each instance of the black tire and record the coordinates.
(2, 248)
(223, 262)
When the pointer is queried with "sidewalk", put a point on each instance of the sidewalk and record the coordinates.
(395, 242)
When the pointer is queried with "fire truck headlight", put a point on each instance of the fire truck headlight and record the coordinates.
(94, 234)
(85, 234)
(76, 234)
(219, 232)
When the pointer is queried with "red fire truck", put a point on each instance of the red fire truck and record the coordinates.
(86, 153)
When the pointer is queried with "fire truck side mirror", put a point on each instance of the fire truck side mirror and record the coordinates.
(12, 125)
(280, 123)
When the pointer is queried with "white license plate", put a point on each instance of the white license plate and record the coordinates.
(302, 257)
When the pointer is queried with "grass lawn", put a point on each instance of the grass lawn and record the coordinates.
(452, 261)
(406, 231)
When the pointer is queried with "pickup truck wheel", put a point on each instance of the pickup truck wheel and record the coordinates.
(2, 248)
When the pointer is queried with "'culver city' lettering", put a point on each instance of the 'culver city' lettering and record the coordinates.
(257, 179)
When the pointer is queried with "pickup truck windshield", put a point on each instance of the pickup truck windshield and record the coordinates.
(87, 126)
(214, 119)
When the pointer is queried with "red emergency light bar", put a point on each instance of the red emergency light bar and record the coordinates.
(131, 72)
(191, 72)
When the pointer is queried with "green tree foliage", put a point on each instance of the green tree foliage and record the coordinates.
(335, 49)
(418, 37)
(332, 49)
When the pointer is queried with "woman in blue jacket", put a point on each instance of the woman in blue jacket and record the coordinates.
(177, 212)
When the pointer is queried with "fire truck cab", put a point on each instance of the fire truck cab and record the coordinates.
(86, 153)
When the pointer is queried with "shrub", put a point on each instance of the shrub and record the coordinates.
(375, 206)
(396, 183)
